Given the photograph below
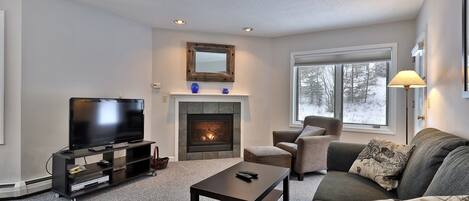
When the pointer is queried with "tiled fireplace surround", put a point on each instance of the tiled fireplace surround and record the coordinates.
(186, 108)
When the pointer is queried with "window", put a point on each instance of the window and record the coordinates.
(364, 93)
(348, 84)
(316, 91)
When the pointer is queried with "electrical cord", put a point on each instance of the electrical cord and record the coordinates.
(47, 162)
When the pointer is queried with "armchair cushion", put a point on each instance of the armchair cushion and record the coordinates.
(288, 146)
(310, 131)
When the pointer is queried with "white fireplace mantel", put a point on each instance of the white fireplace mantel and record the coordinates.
(175, 94)
(178, 97)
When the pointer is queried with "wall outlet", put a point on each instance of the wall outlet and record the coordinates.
(165, 99)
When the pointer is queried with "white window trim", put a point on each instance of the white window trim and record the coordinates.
(392, 125)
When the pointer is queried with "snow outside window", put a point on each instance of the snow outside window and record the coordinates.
(351, 86)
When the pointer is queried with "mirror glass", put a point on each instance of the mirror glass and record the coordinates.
(210, 62)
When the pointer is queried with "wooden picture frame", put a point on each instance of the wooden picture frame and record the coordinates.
(226, 76)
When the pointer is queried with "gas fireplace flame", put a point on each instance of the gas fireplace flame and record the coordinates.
(209, 136)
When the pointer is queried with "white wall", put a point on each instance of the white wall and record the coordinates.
(252, 76)
(10, 152)
(442, 20)
(403, 33)
(72, 50)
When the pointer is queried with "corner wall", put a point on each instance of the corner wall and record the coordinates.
(442, 21)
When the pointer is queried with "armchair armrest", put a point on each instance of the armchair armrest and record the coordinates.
(285, 136)
(312, 153)
(340, 156)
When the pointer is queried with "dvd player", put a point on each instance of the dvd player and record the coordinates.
(89, 183)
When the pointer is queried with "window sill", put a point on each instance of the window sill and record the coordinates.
(358, 129)
(367, 130)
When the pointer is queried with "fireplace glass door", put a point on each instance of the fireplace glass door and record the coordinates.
(209, 132)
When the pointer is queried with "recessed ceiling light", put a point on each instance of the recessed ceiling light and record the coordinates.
(179, 21)
(248, 29)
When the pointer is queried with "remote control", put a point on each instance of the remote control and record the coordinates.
(252, 174)
(244, 177)
(104, 163)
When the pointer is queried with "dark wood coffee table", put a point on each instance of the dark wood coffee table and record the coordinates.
(225, 186)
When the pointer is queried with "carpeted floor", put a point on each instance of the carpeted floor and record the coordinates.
(173, 183)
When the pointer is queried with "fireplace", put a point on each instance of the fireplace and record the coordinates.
(209, 132)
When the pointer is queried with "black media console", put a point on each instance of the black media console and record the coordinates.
(135, 163)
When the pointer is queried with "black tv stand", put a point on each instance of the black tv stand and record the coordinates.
(134, 164)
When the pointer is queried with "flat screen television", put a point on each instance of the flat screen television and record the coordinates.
(104, 121)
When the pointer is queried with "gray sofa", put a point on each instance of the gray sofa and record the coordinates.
(310, 153)
(439, 165)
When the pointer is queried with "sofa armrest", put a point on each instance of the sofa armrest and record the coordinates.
(312, 153)
(340, 156)
(285, 136)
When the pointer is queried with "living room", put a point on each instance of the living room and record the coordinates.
(282, 61)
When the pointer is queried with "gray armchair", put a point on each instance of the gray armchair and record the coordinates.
(309, 154)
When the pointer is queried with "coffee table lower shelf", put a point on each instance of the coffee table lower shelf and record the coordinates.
(274, 195)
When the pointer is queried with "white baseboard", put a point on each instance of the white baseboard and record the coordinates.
(21, 188)
(172, 159)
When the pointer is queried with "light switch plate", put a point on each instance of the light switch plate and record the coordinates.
(156, 85)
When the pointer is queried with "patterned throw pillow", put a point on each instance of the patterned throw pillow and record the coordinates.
(382, 161)
(437, 198)
(310, 131)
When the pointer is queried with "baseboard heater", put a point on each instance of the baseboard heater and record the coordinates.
(23, 188)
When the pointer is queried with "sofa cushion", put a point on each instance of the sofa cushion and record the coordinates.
(452, 178)
(436, 198)
(339, 186)
(310, 131)
(288, 146)
(382, 161)
(431, 148)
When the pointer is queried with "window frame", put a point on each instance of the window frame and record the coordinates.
(391, 127)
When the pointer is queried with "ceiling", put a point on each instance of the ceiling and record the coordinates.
(269, 18)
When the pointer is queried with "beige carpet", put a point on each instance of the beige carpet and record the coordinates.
(173, 183)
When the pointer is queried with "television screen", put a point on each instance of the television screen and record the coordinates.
(102, 121)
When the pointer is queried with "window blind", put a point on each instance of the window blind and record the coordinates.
(381, 54)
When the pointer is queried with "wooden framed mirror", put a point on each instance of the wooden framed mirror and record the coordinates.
(210, 62)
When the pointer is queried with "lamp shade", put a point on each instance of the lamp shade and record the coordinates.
(407, 79)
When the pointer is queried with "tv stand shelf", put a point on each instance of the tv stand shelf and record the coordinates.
(85, 152)
(135, 163)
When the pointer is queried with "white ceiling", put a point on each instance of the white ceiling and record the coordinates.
(270, 18)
